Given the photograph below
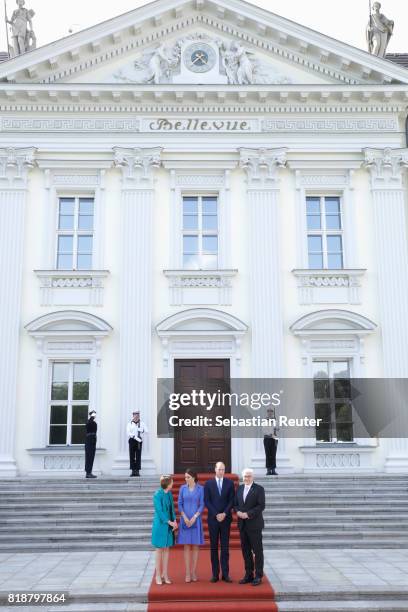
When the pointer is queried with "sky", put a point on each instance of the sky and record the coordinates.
(342, 19)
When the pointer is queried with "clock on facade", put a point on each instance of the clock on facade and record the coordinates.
(199, 57)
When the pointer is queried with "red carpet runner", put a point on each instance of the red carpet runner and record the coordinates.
(204, 596)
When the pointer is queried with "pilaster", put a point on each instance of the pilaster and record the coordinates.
(262, 167)
(387, 173)
(14, 169)
(136, 384)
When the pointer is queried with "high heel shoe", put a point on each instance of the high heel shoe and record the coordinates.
(194, 577)
(188, 578)
(166, 579)
(158, 580)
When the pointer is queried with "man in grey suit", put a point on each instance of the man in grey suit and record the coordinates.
(249, 504)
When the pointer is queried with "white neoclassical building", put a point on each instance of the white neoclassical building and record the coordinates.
(197, 187)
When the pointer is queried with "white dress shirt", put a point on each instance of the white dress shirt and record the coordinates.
(136, 430)
(246, 491)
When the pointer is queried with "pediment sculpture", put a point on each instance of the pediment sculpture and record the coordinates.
(200, 54)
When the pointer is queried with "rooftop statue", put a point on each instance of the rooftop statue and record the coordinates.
(22, 29)
(379, 31)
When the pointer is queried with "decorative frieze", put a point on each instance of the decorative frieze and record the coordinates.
(329, 286)
(71, 288)
(194, 287)
(205, 181)
(330, 125)
(66, 124)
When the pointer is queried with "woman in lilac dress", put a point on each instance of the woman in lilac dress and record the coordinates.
(191, 505)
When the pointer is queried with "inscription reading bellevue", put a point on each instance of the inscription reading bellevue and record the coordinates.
(197, 125)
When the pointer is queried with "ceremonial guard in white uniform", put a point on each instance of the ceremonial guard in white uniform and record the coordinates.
(135, 431)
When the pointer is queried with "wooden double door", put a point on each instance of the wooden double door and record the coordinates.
(201, 447)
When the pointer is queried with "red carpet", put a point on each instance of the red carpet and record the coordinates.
(203, 596)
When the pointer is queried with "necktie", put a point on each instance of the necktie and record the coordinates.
(246, 491)
(219, 486)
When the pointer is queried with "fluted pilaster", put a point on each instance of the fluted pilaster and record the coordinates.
(14, 167)
(138, 166)
(386, 167)
(262, 167)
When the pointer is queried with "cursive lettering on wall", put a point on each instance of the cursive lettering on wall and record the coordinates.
(199, 125)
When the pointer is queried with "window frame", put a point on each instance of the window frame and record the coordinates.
(324, 232)
(76, 232)
(332, 400)
(69, 402)
(199, 232)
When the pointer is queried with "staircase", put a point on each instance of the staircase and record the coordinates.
(302, 511)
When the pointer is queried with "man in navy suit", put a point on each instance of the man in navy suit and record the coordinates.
(219, 498)
(249, 504)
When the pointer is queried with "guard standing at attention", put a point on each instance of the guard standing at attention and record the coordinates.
(270, 439)
(90, 444)
(135, 432)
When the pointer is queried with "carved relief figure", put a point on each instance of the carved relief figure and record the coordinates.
(23, 36)
(239, 67)
(160, 64)
(379, 31)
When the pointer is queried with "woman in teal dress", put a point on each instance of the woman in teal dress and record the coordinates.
(163, 528)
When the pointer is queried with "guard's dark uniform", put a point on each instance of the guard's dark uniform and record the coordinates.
(90, 444)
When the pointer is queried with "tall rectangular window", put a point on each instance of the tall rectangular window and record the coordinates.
(200, 232)
(332, 398)
(324, 232)
(75, 233)
(68, 402)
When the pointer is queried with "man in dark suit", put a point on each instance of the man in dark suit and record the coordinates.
(249, 504)
(219, 498)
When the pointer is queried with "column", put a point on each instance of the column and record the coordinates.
(14, 168)
(136, 384)
(386, 167)
(262, 168)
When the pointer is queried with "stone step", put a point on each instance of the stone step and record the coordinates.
(53, 522)
(286, 543)
(136, 495)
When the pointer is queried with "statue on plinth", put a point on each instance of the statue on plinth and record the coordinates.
(22, 29)
(379, 31)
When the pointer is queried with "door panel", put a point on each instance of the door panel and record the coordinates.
(201, 447)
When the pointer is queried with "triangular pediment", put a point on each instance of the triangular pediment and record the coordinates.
(189, 42)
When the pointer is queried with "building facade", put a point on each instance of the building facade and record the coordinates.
(193, 187)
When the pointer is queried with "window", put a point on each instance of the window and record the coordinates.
(332, 399)
(69, 402)
(324, 232)
(75, 233)
(200, 232)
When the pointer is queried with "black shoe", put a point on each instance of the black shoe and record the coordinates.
(214, 579)
(133, 474)
(268, 472)
(137, 473)
(274, 473)
(246, 580)
(91, 476)
(227, 579)
(257, 580)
